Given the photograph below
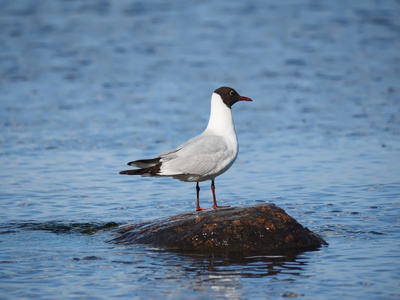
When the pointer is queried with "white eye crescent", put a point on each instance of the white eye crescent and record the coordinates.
(231, 93)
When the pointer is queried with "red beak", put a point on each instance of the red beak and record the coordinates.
(244, 98)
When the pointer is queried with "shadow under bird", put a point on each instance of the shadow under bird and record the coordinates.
(203, 157)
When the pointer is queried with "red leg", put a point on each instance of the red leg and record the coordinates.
(198, 198)
(215, 206)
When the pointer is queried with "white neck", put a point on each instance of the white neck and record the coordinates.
(221, 122)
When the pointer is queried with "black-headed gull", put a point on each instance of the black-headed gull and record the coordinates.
(203, 157)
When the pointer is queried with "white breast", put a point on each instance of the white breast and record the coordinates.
(208, 155)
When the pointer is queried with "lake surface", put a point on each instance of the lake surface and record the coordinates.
(87, 86)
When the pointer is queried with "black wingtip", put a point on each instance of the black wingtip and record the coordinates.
(151, 171)
(144, 163)
(131, 172)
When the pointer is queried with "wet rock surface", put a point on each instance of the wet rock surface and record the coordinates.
(261, 228)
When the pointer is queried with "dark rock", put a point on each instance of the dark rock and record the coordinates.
(261, 228)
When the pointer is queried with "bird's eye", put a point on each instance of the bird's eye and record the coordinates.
(231, 93)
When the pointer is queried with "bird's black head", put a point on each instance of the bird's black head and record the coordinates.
(230, 96)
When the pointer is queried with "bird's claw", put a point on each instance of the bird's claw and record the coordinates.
(201, 209)
(216, 206)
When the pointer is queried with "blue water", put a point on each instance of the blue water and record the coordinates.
(86, 86)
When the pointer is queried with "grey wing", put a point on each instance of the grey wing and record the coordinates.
(202, 155)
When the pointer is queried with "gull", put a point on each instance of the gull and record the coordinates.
(203, 157)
